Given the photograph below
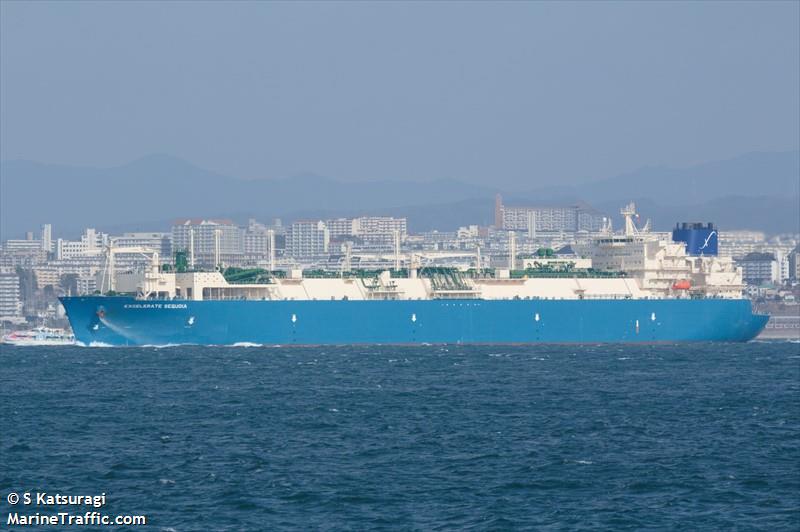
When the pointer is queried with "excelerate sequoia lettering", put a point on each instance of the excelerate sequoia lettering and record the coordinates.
(156, 305)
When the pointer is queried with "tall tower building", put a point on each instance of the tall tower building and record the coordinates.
(47, 237)
(498, 211)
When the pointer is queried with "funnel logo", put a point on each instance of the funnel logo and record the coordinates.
(711, 235)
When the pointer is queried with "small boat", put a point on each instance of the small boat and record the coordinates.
(39, 336)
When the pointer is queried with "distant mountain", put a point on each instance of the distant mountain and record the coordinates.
(752, 174)
(756, 190)
(161, 187)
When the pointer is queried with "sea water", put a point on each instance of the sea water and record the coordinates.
(694, 437)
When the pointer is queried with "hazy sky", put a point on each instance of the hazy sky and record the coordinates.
(514, 94)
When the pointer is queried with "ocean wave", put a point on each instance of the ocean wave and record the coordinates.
(98, 344)
(162, 346)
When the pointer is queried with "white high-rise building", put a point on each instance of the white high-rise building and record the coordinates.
(28, 245)
(759, 268)
(381, 225)
(47, 238)
(92, 242)
(341, 227)
(10, 301)
(160, 242)
(367, 226)
(86, 284)
(547, 219)
(307, 238)
(208, 242)
(375, 231)
(257, 242)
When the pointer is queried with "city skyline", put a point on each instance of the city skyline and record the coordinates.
(34, 270)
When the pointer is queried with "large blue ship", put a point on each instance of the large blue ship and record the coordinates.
(628, 287)
(129, 321)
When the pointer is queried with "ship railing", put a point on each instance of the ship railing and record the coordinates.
(456, 294)
(385, 295)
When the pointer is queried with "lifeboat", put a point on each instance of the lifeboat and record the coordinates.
(683, 284)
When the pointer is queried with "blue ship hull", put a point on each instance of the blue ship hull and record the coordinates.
(127, 321)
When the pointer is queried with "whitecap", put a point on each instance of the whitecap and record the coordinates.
(161, 346)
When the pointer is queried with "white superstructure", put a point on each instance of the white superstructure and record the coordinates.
(636, 264)
(661, 266)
